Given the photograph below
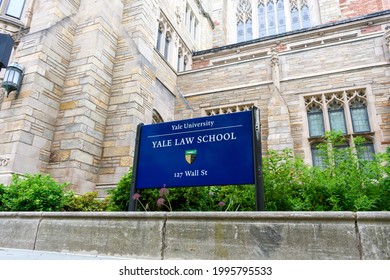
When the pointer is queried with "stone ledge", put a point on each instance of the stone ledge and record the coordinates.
(202, 235)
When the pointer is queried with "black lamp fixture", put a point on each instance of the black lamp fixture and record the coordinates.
(13, 78)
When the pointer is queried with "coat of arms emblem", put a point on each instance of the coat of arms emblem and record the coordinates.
(190, 156)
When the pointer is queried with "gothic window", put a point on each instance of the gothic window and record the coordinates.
(170, 45)
(300, 14)
(359, 116)
(316, 122)
(366, 151)
(191, 22)
(337, 117)
(157, 117)
(185, 63)
(344, 111)
(182, 57)
(271, 17)
(262, 21)
(244, 21)
(167, 43)
(196, 24)
(305, 15)
(317, 158)
(179, 58)
(281, 16)
(159, 35)
(187, 18)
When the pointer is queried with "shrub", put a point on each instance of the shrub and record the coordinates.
(86, 202)
(2, 191)
(33, 193)
(118, 198)
(345, 183)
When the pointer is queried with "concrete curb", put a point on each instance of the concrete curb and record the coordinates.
(202, 235)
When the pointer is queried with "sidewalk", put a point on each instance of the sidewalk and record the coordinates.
(19, 254)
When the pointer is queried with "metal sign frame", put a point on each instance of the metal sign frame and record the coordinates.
(256, 159)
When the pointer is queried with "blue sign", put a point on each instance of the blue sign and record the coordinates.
(216, 150)
(6, 47)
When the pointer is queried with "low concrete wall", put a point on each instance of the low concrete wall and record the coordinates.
(195, 235)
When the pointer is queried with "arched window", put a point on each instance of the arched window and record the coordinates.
(281, 16)
(244, 21)
(159, 35)
(366, 151)
(359, 116)
(300, 14)
(157, 117)
(337, 117)
(271, 17)
(185, 63)
(316, 122)
(317, 156)
(344, 111)
(179, 58)
(167, 43)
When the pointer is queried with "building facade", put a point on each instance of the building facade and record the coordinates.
(94, 70)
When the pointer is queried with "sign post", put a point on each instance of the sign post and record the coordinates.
(258, 162)
(208, 151)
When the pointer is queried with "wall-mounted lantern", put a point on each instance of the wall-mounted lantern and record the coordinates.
(13, 78)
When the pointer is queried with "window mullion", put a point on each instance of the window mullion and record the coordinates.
(326, 114)
(347, 114)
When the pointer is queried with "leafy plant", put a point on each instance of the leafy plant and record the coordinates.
(86, 202)
(118, 199)
(33, 193)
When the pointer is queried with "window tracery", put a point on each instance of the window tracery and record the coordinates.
(344, 111)
(261, 18)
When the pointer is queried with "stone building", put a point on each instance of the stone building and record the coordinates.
(95, 69)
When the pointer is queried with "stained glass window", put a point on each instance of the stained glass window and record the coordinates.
(359, 117)
(305, 16)
(281, 17)
(316, 122)
(262, 22)
(337, 118)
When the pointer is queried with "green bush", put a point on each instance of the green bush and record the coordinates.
(2, 191)
(86, 202)
(346, 183)
(221, 198)
(32, 193)
(183, 199)
(118, 198)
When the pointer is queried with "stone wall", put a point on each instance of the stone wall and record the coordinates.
(93, 73)
(222, 235)
(276, 74)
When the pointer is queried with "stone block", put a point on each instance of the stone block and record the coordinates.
(81, 156)
(116, 151)
(18, 232)
(60, 155)
(68, 105)
(126, 161)
(324, 235)
(135, 235)
(374, 230)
